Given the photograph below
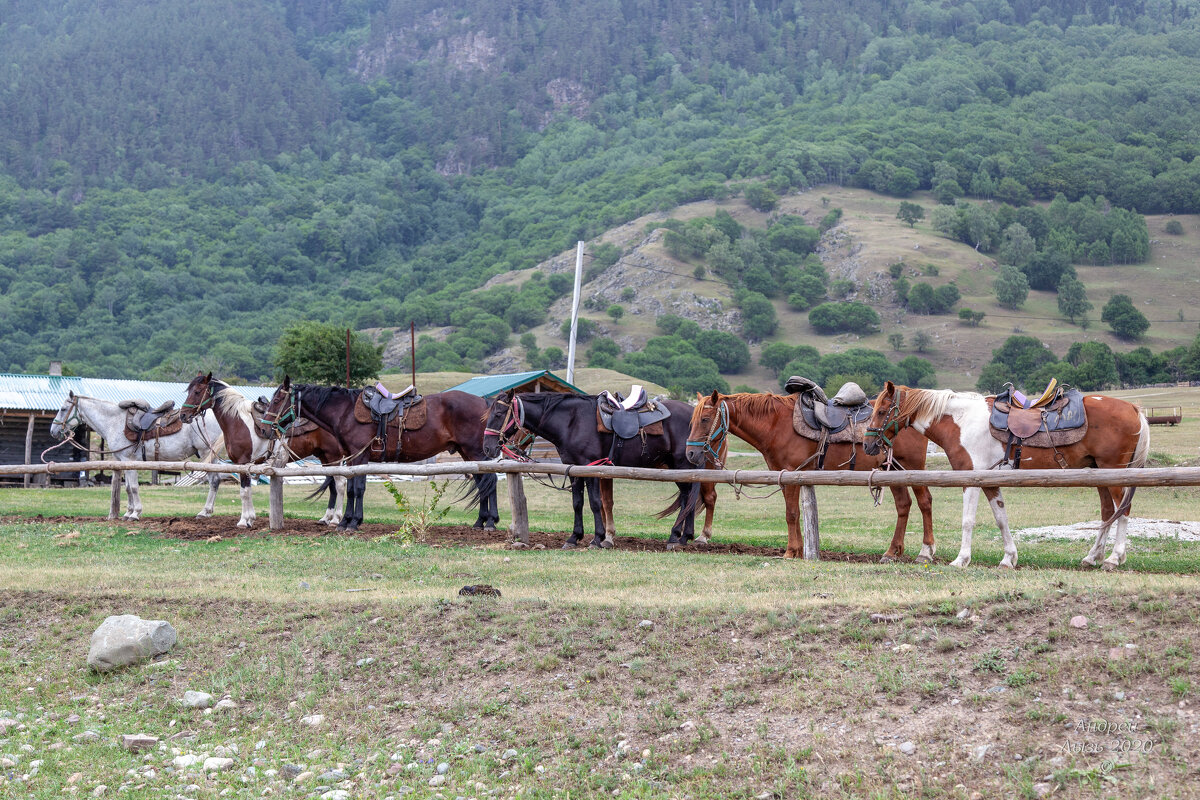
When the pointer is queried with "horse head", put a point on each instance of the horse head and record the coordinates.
(501, 424)
(68, 417)
(709, 430)
(885, 420)
(281, 409)
(200, 396)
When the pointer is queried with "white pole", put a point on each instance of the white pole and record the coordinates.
(575, 312)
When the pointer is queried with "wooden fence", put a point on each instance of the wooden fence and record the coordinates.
(806, 480)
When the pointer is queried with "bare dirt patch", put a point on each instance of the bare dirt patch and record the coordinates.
(194, 529)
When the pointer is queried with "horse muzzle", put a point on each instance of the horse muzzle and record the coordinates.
(695, 455)
(871, 444)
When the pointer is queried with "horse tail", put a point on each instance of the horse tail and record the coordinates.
(325, 487)
(689, 507)
(1141, 453)
(470, 490)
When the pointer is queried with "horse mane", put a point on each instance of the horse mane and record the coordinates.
(315, 395)
(231, 401)
(923, 407)
(760, 403)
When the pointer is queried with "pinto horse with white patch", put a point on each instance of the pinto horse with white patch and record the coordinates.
(1117, 436)
(235, 414)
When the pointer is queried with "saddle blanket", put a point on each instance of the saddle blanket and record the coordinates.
(1057, 425)
(414, 415)
(806, 423)
(165, 425)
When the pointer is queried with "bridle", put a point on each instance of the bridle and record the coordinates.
(892, 425)
(192, 409)
(277, 423)
(513, 426)
(72, 414)
(718, 432)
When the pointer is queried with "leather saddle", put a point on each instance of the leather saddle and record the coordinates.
(837, 421)
(144, 422)
(386, 410)
(627, 417)
(1055, 419)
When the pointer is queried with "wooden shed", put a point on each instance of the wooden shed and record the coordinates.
(543, 380)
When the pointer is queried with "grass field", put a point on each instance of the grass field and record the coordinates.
(622, 673)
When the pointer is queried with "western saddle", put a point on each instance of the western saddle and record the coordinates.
(387, 409)
(627, 417)
(827, 421)
(1055, 419)
(142, 418)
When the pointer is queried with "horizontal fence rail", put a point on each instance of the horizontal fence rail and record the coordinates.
(1146, 476)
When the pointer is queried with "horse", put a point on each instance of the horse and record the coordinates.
(1117, 436)
(454, 423)
(198, 438)
(765, 422)
(311, 440)
(568, 421)
(234, 412)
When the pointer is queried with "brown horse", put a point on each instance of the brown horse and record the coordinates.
(454, 423)
(300, 440)
(765, 422)
(959, 422)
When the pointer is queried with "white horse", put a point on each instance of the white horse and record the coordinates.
(199, 438)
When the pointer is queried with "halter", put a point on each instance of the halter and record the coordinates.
(280, 423)
(718, 432)
(513, 425)
(210, 398)
(891, 427)
(72, 414)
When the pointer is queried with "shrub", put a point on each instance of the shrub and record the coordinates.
(852, 317)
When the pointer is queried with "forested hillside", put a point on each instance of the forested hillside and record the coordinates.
(180, 180)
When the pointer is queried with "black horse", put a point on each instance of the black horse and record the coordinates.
(568, 421)
(454, 423)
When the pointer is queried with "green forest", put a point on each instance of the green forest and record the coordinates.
(182, 181)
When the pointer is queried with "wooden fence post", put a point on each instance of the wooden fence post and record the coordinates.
(518, 528)
(812, 535)
(276, 502)
(114, 501)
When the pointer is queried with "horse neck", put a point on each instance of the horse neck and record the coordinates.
(956, 426)
(108, 419)
(536, 421)
(757, 430)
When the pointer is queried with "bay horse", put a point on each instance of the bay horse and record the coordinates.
(568, 421)
(454, 423)
(296, 445)
(234, 412)
(1118, 436)
(198, 438)
(764, 421)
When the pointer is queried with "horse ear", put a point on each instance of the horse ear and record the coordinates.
(287, 381)
(71, 394)
(889, 387)
(716, 397)
(208, 377)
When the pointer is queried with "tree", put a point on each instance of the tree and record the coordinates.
(1016, 246)
(776, 355)
(1014, 361)
(760, 198)
(922, 341)
(1072, 298)
(1011, 287)
(615, 312)
(971, 318)
(903, 182)
(585, 329)
(758, 315)
(729, 352)
(1095, 366)
(830, 318)
(1124, 318)
(896, 340)
(313, 352)
(911, 213)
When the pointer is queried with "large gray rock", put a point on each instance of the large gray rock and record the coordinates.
(128, 639)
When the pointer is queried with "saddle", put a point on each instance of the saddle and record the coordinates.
(143, 422)
(1056, 419)
(842, 420)
(405, 411)
(627, 417)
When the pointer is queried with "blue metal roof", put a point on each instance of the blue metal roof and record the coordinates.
(48, 392)
(492, 385)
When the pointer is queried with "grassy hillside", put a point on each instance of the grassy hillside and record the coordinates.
(868, 240)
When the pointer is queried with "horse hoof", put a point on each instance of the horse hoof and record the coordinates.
(924, 559)
(1108, 566)
(594, 545)
(887, 559)
(672, 545)
(569, 545)
(607, 544)
(1088, 561)
(489, 527)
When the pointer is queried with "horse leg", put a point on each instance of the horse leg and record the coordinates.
(791, 502)
(925, 503)
(996, 501)
(247, 502)
(970, 505)
(903, 502)
(606, 508)
(708, 493)
(214, 481)
(577, 506)
(597, 506)
(1118, 552)
(134, 511)
(493, 504)
(688, 495)
(337, 500)
(1107, 506)
(353, 515)
(681, 531)
(485, 496)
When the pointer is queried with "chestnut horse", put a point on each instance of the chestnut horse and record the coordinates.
(454, 423)
(959, 422)
(765, 422)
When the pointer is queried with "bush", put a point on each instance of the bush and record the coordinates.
(1123, 317)
(853, 317)
(808, 290)
(758, 315)
(728, 351)
(585, 329)
(760, 198)
(1174, 227)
